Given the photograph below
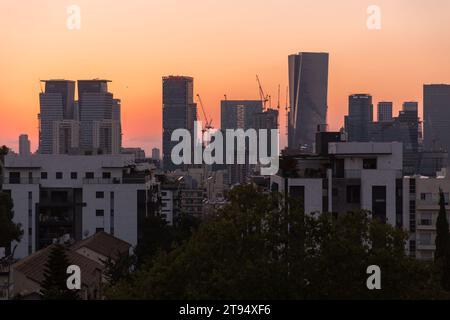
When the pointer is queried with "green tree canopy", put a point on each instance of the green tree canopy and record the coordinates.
(256, 247)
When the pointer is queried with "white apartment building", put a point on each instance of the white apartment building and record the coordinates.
(352, 176)
(75, 197)
(421, 209)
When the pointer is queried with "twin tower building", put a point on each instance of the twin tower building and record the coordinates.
(88, 126)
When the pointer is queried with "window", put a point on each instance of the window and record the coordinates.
(426, 197)
(353, 194)
(59, 175)
(97, 230)
(100, 195)
(89, 175)
(370, 164)
(74, 175)
(106, 175)
(44, 175)
(425, 239)
(99, 213)
(412, 186)
(426, 219)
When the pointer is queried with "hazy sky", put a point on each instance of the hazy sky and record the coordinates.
(223, 44)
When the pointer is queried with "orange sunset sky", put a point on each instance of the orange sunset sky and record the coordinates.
(223, 44)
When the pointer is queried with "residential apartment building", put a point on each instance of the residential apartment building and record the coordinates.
(421, 209)
(76, 196)
(350, 176)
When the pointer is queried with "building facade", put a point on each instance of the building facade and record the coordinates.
(360, 116)
(308, 96)
(384, 111)
(76, 196)
(436, 117)
(179, 112)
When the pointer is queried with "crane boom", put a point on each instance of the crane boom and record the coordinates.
(263, 97)
(207, 122)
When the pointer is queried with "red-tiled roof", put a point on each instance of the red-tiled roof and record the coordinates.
(33, 266)
(104, 244)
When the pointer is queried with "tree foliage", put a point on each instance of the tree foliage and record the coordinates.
(260, 246)
(54, 286)
(9, 231)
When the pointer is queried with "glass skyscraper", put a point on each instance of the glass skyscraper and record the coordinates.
(308, 94)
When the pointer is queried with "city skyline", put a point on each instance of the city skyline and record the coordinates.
(39, 46)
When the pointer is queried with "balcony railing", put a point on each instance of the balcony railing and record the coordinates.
(125, 180)
(13, 180)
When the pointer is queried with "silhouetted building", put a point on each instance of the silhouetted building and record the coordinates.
(179, 112)
(308, 94)
(241, 114)
(436, 111)
(156, 154)
(99, 132)
(360, 115)
(404, 129)
(384, 110)
(56, 104)
(24, 145)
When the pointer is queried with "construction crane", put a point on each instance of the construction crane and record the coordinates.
(264, 98)
(278, 103)
(208, 123)
(286, 109)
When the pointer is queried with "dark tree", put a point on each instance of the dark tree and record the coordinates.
(442, 230)
(9, 231)
(119, 268)
(54, 286)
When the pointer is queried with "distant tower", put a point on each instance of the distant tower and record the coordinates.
(100, 131)
(308, 96)
(24, 145)
(384, 110)
(179, 112)
(360, 115)
(436, 117)
(156, 154)
(56, 104)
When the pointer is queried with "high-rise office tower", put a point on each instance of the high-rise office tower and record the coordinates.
(384, 111)
(66, 135)
(360, 115)
(179, 112)
(24, 145)
(99, 132)
(308, 94)
(404, 129)
(56, 104)
(240, 114)
(436, 114)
